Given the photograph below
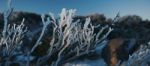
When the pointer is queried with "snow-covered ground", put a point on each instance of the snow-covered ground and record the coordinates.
(86, 62)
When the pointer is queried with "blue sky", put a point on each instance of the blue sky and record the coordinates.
(84, 7)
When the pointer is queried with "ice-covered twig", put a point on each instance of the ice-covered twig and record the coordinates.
(45, 24)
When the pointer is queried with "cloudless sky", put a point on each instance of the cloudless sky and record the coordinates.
(84, 7)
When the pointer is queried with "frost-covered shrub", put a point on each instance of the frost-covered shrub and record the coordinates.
(70, 40)
(10, 38)
(141, 57)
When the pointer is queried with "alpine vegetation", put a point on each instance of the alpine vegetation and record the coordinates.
(69, 41)
(140, 57)
(30, 39)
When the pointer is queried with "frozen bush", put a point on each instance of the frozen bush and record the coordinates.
(70, 40)
(11, 37)
(140, 57)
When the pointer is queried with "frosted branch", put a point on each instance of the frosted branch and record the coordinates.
(45, 24)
